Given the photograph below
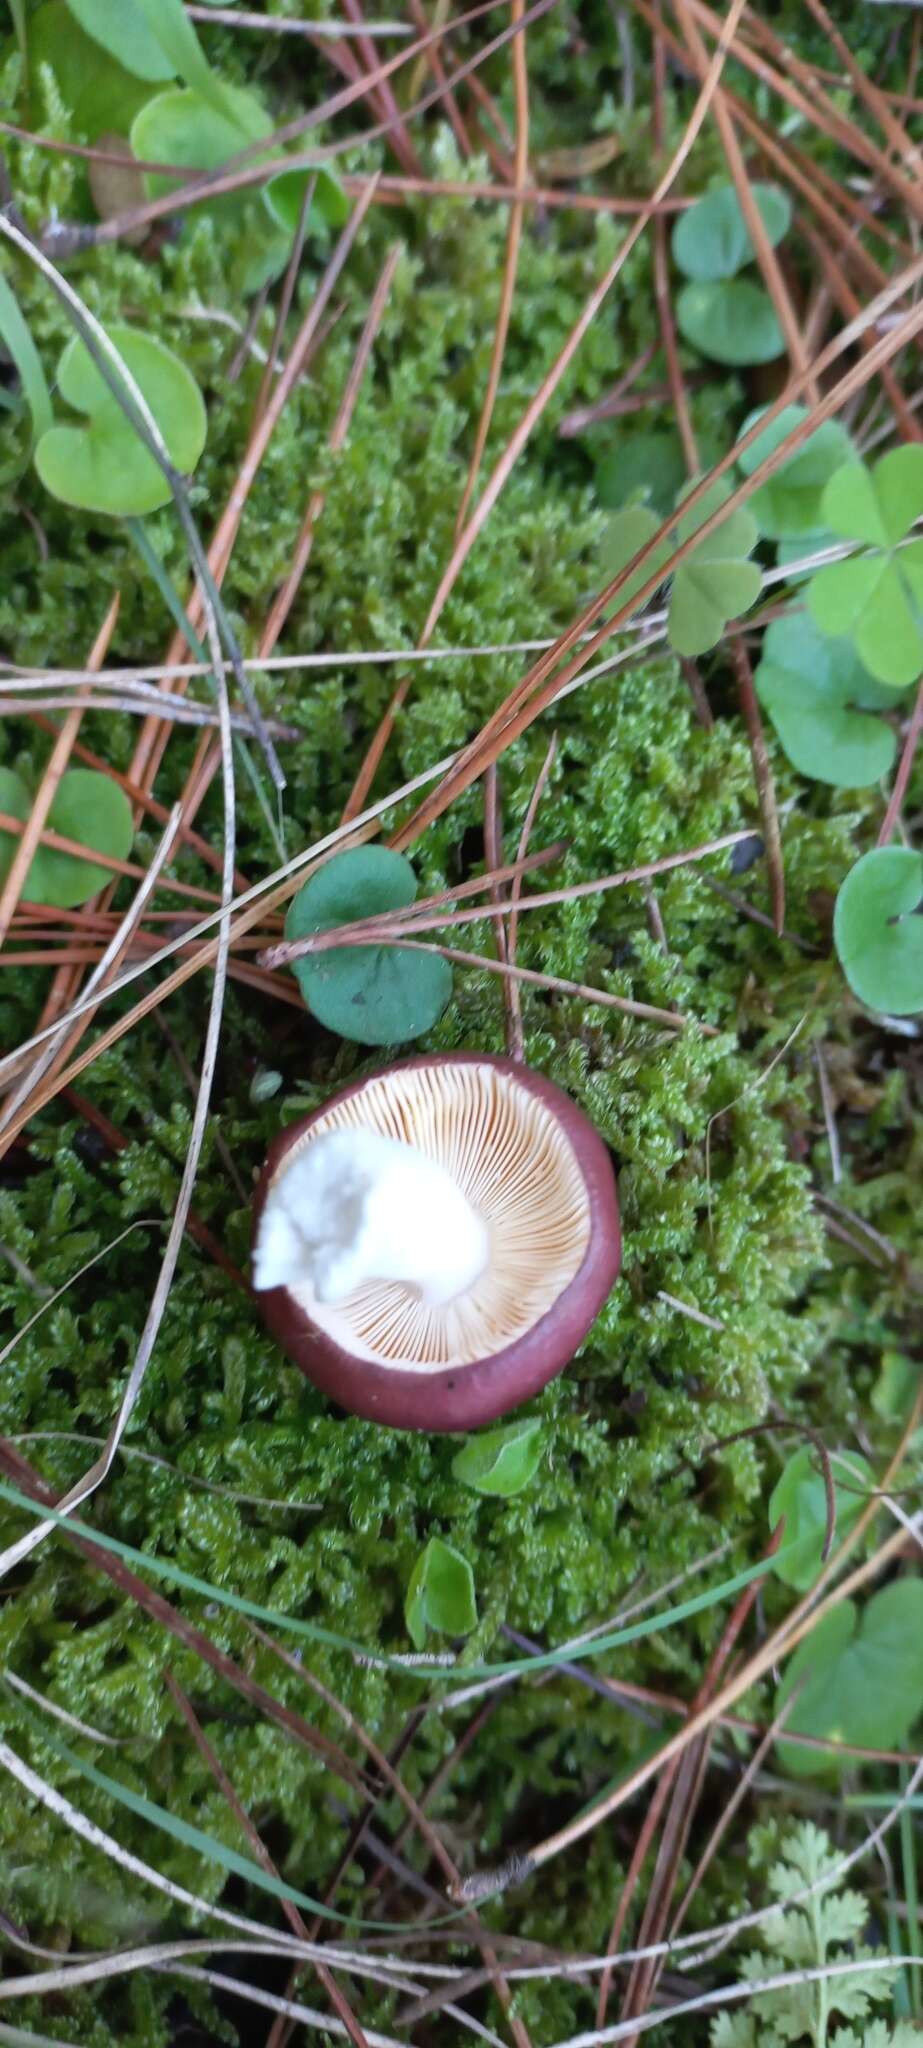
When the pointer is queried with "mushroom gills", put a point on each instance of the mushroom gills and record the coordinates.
(357, 1207)
(505, 1154)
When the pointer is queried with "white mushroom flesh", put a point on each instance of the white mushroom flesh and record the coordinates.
(356, 1206)
(449, 1296)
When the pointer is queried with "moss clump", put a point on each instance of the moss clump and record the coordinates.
(247, 1477)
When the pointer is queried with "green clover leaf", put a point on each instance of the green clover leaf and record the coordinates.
(801, 1497)
(712, 240)
(819, 697)
(103, 466)
(732, 321)
(715, 583)
(877, 598)
(857, 1682)
(878, 938)
(789, 505)
(100, 95)
(88, 808)
(183, 127)
(376, 995)
(440, 1594)
(501, 1461)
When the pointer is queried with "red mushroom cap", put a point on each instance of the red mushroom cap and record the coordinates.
(534, 1166)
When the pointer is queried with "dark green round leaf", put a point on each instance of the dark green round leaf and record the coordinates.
(101, 97)
(120, 28)
(878, 938)
(440, 1594)
(801, 1496)
(856, 1684)
(89, 808)
(501, 1461)
(103, 466)
(284, 197)
(811, 686)
(377, 995)
(790, 503)
(732, 322)
(713, 241)
(183, 127)
(643, 466)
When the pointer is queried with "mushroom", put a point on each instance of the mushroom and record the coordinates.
(432, 1245)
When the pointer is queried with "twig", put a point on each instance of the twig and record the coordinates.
(765, 783)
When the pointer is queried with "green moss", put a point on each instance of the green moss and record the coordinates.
(715, 1141)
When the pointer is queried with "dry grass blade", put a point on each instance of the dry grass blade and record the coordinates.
(765, 253)
(541, 685)
(517, 1041)
(168, 1617)
(556, 984)
(421, 915)
(56, 1049)
(804, 1616)
(99, 1470)
(429, 1834)
(241, 172)
(597, 297)
(508, 285)
(904, 767)
(765, 783)
(48, 788)
(285, 596)
(252, 1835)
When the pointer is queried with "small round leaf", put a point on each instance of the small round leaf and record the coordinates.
(878, 938)
(732, 321)
(713, 240)
(801, 1497)
(857, 1682)
(789, 505)
(811, 686)
(104, 466)
(121, 29)
(501, 1461)
(184, 128)
(99, 94)
(377, 995)
(440, 1594)
(88, 808)
(284, 196)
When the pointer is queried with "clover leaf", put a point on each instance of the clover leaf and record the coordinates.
(857, 1682)
(440, 1594)
(714, 583)
(789, 505)
(501, 1461)
(819, 697)
(733, 321)
(183, 127)
(284, 196)
(153, 39)
(88, 808)
(878, 938)
(876, 597)
(104, 466)
(376, 995)
(119, 27)
(800, 1496)
(712, 240)
(99, 94)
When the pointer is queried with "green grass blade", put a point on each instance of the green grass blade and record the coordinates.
(17, 339)
(180, 617)
(546, 1660)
